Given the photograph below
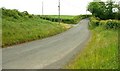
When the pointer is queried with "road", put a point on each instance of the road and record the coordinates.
(49, 53)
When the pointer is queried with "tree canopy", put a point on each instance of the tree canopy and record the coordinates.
(105, 10)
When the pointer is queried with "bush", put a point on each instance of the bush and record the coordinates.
(94, 22)
(80, 17)
(112, 24)
(15, 14)
(10, 13)
(107, 24)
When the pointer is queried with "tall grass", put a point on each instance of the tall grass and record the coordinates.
(100, 53)
(102, 50)
(22, 27)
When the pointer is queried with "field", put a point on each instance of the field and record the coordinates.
(61, 16)
(65, 18)
(102, 50)
(22, 27)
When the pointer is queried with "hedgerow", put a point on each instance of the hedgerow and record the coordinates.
(69, 20)
(107, 24)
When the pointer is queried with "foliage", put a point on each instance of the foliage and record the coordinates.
(104, 10)
(80, 17)
(107, 24)
(97, 8)
(64, 18)
(10, 13)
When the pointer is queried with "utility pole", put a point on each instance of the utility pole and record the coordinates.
(42, 8)
(59, 10)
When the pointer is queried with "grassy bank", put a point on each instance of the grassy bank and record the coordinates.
(100, 53)
(102, 50)
(20, 27)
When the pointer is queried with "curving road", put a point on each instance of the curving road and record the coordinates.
(49, 53)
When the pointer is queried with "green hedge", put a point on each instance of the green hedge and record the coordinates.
(80, 17)
(15, 14)
(107, 24)
(68, 20)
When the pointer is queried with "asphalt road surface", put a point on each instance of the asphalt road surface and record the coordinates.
(49, 53)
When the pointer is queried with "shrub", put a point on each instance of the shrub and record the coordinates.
(80, 17)
(112, 24)
(10, 13)
(107, 24)
(94, 22)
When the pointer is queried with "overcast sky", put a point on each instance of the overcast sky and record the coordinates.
(68, 7)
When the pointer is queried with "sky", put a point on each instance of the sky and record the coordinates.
(68, 7)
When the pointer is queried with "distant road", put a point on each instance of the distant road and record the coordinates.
(51, 53)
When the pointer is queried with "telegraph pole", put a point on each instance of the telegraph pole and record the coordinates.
(59, 10)
(42, 8)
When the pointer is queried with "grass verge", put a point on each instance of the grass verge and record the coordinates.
(100, 53)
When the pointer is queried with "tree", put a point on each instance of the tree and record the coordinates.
(109, 7)
(103, 10)
(97, 9)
